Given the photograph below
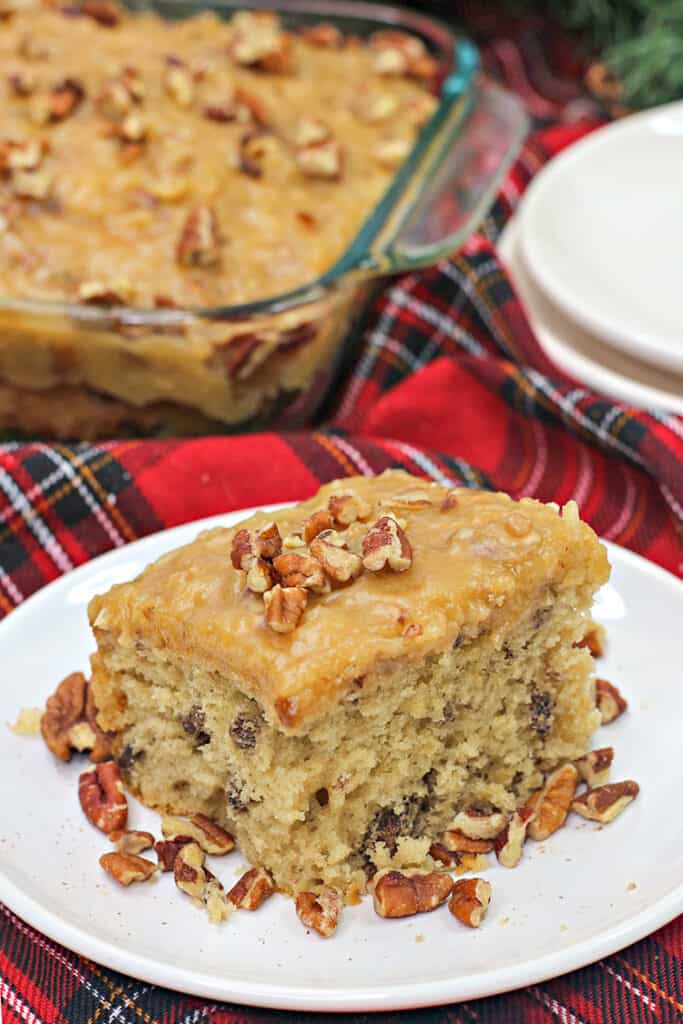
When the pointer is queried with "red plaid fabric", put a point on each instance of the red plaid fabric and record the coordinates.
(449, 383)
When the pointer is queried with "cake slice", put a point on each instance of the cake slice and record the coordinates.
(335, 681)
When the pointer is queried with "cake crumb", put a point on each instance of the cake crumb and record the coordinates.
(564, 928)
(419, 937)
(472, 862)
(503, 920)
(28, 722)
(631, 886)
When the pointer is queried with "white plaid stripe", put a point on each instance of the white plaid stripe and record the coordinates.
(423, 461)
(13, 592)
(569, 407)
(14, 1001)
(360, 463)
(69, 468)
(644, 998)
(540, 465)
(35, 523)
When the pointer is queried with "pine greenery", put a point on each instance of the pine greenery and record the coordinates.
(640, 41)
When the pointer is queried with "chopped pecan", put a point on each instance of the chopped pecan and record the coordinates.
(609, 701)
(322, 160)
(247, 165)
(298, 570)
(253, 105)
(594, 640)
(309, 131)
(21, 156)
(479, 824)
(64, 711)
(397, 42)
(96, 293)
(167, 850)
(320, 910)
(101, 795)
(261, 576)
(397, 53)
(64, 99)
(132, 79)
(115, 101)
(133, 129)
(242, 552)
(250, 891)
(222, 110)
(256, 146)
(594, 767)
(248, 546)
(69, 722)
(315, 524)
(325, 36)
(510, 842)
(449, 858)
(188, 870)
(396, 894)
(131, 840)
(338, 564)
(373, 106)
(209, 836)
(32, 184)
(386, 545)
(346, 507)
(551, 803)
(281, 60)
(458, 842)
(199, 244)
(390, 153)
(268, 542)
(284, 607)
(104, 12)
(604, 803)
(22, 82)
(470, 900)
(179, 84)
(126, 868)
(258, 38)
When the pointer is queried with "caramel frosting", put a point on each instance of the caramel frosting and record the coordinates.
(474, 561)
(192, 162)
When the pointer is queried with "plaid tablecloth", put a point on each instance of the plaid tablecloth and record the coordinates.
(451, 383)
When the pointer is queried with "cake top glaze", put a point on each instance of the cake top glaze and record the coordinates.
(369, 572)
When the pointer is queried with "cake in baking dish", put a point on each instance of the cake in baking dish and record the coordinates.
(335, 681)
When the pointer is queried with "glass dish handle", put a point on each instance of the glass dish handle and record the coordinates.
(458, 182)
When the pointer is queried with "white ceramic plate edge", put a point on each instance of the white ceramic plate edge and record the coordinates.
(642, 344)
(340, 999)
(566, 343)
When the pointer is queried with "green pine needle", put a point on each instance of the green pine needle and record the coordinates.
(640, 41)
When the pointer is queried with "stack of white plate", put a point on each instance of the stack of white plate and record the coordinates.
(596, 254)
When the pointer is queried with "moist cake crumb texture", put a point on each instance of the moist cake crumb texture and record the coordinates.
(349, 743)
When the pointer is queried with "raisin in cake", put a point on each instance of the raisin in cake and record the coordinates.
(333, 682)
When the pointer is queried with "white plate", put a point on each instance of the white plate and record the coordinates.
(578, 353)
(602, 231)
(570, 901)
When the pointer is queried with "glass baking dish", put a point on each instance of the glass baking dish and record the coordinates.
(83, 371)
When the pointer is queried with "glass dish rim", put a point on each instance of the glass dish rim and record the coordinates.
(460, 61)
